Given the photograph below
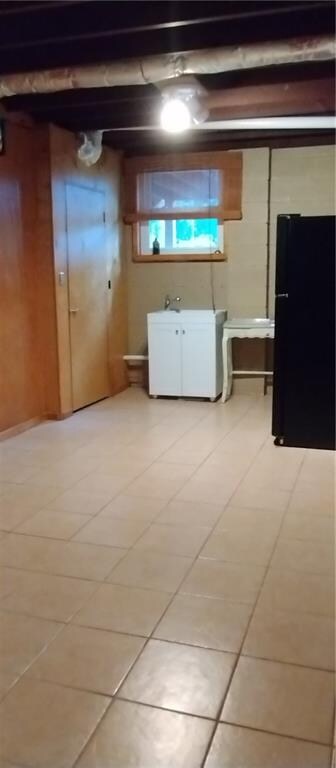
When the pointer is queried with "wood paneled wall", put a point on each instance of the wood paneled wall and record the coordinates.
(27, 327)
(35, 378)
(104, 176)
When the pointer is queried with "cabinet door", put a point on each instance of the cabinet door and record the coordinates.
(164, 358)
(198, 360)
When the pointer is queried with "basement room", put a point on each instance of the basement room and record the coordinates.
(167, 384)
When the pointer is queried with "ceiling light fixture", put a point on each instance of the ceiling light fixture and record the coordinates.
(182, 106)
(175, 116)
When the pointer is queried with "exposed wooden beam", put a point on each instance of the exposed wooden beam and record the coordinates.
(314, 97)
(296, 98)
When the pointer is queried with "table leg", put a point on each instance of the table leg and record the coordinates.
(227, 369)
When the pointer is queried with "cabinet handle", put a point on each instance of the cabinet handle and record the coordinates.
(176, 333)
(183, 332)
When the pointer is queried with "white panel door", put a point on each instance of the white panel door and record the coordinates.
(164, 353)
(198, 362)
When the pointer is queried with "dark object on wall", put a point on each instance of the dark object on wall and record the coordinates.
(304, 345)
(2, 137)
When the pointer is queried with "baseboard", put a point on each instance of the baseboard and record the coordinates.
(18, 428)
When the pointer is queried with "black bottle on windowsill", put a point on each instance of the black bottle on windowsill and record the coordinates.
(156, 247)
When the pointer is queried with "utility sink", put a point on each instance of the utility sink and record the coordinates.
(186, 315)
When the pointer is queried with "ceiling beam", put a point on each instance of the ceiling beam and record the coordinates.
(296, 98)
(311, 97)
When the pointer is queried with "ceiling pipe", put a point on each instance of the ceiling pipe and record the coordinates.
(154, 69)
(300, 122)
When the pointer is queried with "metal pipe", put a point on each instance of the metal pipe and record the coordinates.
(154, 69)
(304, 122)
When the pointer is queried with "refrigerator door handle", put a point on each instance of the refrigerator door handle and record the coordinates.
(281, 296)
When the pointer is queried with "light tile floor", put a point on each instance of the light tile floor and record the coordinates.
(166, 591)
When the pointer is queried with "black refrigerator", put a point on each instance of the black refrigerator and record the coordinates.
(304, 344)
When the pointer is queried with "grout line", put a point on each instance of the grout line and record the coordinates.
(275, 733)
(254, 605)
(162, 616)
(249, 409)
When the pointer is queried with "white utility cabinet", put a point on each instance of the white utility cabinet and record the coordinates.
(185, 352)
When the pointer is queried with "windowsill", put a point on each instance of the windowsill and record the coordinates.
(164, 257)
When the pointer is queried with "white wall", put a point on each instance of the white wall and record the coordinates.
(303, 181)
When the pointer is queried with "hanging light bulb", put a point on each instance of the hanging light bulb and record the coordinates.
(175, 115)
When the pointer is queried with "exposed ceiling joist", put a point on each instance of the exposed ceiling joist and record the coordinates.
(65, 33)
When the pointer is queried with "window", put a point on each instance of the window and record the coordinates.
(181, 236)
(177, 205)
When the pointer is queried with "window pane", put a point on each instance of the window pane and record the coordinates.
(181, 236)
(184, 190)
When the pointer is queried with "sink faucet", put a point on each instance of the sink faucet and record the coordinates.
(169, 301)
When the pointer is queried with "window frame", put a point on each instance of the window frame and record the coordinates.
(228, 162)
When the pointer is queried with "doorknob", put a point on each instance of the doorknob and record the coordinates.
(74, 311)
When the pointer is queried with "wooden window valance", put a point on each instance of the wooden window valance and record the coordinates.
(178, 186)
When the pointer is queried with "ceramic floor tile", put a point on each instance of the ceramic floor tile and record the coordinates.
(91, 659)
(134, 472)
(173, 540)
(133, 508)
(102, 482)
(7, 681)
(247, 545)
(299, 592)
(12, 515)
(127, 469)
(46, 725)
(235, 747)
(155, 487)
(292, 637)
(204, 621)
(30, 496)
(186, 513)
(281, 698)
(112, 531)
(78, 502)
(179, 677)
(240, 517)
(58, 477)
(10, 580)
(311, 556)
(51, 525)
(48, 597)
(22, 638)
(151, 570)
(249, 495)
(123, 609)
(157, 739)
(65, 558)
(195, 490)
(232, 581)
(308, 527)
(313, 499)
(177, 454)
(12, 471)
